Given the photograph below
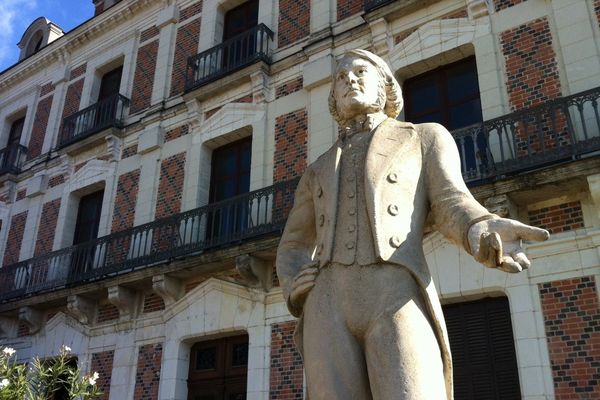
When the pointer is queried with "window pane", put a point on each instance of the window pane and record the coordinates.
(239, 358)
(424, 95)
(462, 82)
(464, 114)
(431, 117)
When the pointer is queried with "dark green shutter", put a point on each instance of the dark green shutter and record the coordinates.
(483, 350)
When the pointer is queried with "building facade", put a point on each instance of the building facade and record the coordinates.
(150, 157)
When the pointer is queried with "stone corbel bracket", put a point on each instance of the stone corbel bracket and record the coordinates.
(124, 299)
(169, 288)
(8, 327)
(254, 271)
(479, 8)
(32, 318)
(84, 310)
(260, 87)
(501, 205)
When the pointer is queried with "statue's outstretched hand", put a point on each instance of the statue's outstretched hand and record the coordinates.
(496, 243)
(302, 284)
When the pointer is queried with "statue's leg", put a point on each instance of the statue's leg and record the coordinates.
(334, 363)
(402, 351)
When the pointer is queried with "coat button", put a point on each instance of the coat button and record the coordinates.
(395, 241)
(319, 192)
(393, 209)
(351, 228)
(392, 177)
(351, 195)
(321, 220)
(350, 245)
(352, 211)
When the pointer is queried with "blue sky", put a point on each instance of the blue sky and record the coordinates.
(16, 15)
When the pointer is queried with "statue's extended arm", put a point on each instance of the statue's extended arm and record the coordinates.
(295, 268)
(493, 241)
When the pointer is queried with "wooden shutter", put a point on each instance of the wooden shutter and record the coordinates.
(483, 350)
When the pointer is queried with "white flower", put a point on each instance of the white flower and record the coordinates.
(9, 351)
(92, 379)
(66, 349)
(4, 383)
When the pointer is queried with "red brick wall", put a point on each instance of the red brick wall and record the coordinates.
(177, 132)
(129, 151)
(47, 227)
(531, 68)
(291, 141)
(143, 79)
(147, 376)
(73, 96)
(107, 312)
(294, 21)
(346, 8)
(190, 11)
(170, 186)
(125, 201)
(558, 218)
(502, 4)
(40, 123)
(597, 10)
(15, 238)
(289, 87)
(99, 7)
(286, 364)
(22, 330)
(47, 88)
(571, 317)
(56, 180)
(149, 33)
(186, 45)
(102, 363)
(78, 71)
(152, 302)
(21, 194)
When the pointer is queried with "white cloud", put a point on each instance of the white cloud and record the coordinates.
(15, 17)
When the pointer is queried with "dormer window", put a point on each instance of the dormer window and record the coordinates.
(40, 33)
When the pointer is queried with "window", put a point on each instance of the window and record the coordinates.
(16, 130)
(86, 229)
(230, 177)
(10, 156)
(237, 21)
(483, 351)
(110, 84)
(218, 369)
(449, 95)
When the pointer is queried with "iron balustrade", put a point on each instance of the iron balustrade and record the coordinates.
(558, 130)
(11, 158)
(235, 53)
(107, 113)
(244, 217)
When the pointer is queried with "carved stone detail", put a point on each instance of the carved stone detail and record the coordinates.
(81, 308)
(8, 327)
(379, 36)
(113, 147)
(169, 288)
(260, 87)
(124, 299)
(479, 8)
(32, 318)
(254, 271)
(500, 205)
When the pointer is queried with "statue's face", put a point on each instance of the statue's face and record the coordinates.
(356, 86)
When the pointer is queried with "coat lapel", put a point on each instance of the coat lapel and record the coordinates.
(389, 142)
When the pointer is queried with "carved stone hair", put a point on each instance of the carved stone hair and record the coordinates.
(389, 89)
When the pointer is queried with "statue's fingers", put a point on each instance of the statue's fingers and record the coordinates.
(510, 265)
(533, 233)
(302, 280)
(521, 258)
(495, 244)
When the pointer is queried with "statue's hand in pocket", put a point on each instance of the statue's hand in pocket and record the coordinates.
(303, 283)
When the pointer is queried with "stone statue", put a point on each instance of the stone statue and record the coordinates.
(351, 260)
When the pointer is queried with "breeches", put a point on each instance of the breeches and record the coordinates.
(368, 335)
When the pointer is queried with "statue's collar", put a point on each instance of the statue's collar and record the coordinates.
(368, 123)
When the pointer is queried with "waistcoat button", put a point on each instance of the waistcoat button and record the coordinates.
(395, 241)
(392, 177)
(393, 209)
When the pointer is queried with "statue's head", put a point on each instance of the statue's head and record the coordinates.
(363, 84)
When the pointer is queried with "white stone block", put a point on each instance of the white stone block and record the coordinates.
(318, 72)
(169, 15)
(151, 139)
(37, 185)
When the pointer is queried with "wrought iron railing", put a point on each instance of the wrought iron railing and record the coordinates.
(233, 54)
(561, 129)
(370, 5)
(107, 113)
(11, 158)
(251, 215)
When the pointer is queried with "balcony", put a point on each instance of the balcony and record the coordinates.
(226, 223)
(11, 158)
(234, 54)
(107, 113)
(370, 5)
(560, 130)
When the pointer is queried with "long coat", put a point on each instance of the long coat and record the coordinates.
(412, 179)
